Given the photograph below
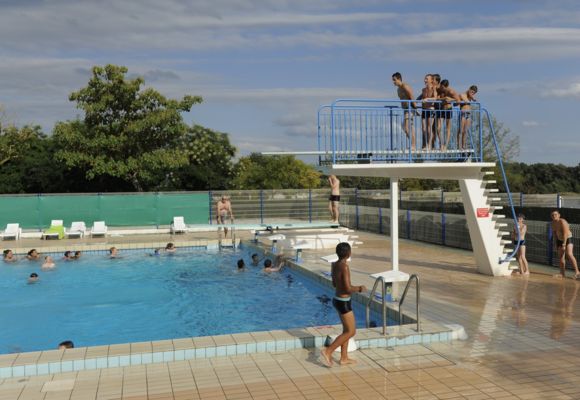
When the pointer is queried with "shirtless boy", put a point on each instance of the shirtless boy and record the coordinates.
(563, 237)
(448, 95)
(342, 303)
(521, 255)
(334, 197)
(223, 212)
(428, 113)
(465, 98)
(405, 92)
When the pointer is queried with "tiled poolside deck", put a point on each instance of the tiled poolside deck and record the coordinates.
(523, 344)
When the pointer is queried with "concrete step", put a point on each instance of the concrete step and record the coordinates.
(493, 208)
(489, 182)
(492, 190)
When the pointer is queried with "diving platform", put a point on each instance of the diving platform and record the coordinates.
(400, 139)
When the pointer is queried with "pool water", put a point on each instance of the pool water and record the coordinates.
(96, 300)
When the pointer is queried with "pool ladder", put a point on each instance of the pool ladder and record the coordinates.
(401, 302)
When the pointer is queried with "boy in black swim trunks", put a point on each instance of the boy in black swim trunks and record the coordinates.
(563, 237)
(334, 197)
(342, 303)
(521, 254)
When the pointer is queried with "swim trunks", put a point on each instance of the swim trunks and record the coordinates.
(561, 242)
(466, 114)
(342, 304)
(427, 113)
(522, 242)
(446, 113)
(334, 197)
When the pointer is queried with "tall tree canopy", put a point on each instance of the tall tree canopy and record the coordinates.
(274, 172)
(127, 132)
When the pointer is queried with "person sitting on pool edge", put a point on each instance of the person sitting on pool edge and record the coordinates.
(48, 263)
(170, 248)
(278, 265)
(67, 344)
(33, 278)
(9, 256)
(33, 255)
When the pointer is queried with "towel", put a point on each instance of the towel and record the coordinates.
(56, 229)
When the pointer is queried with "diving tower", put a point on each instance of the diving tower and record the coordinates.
(398, 139)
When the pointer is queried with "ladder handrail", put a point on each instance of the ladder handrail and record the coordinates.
(418, 290)
(371, 296)
(507, 190)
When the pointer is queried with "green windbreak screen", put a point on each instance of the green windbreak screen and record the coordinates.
(116, 210)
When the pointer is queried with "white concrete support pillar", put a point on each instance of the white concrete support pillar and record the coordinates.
(395, 223)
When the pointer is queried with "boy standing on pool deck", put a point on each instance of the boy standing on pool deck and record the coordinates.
(334, 197)
(563, 237)
(342, 303)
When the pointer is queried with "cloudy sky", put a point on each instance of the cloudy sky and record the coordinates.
(264, 66)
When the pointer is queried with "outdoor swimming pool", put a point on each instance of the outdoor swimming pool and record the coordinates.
(97, 300)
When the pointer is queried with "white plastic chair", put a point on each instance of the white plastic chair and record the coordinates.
(77, 229)
(178, 225)
(99, 228)
(12, 231)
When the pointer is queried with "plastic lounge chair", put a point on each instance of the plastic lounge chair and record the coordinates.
(12, 231)
(77, 230)
(55, 231)
(99, 228)
(178, 225)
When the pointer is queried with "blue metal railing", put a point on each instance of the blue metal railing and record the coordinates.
(369, 130)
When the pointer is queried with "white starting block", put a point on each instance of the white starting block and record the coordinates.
(274, 239)
(332, 258)
(390, 277)
(303, 245)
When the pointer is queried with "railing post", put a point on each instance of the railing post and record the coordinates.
(356, 207)
(209, 197)
(558, 201)
(550, 244)
(408, 224)
(332, 138)
(261, 206)
(380, 220)
(391, 124)
(521, 199)
(443, 222)
(310, 205)
(39, 201)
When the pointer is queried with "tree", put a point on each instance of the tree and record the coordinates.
(210, 160)
(508, 144)
(274, 172)
(127, 133)
(15, 142)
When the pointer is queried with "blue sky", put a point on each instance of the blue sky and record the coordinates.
(264, 66)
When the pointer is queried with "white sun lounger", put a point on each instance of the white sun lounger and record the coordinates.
(178, 225)
(99, 229)
(77, 230)
(12, 231)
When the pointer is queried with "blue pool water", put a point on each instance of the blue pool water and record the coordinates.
(96, 300)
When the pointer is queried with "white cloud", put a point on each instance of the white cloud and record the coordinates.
(530, 124)
(573, 90)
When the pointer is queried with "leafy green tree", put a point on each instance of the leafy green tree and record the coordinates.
(127, 133)
(210, 161)
(274, 172)
(14, 142)
(509, 145)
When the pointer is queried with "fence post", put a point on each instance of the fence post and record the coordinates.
(380, 220)
(310, 205)
(521, 199)
(550, 248)
(408, 224)
(209, 197)
(261, 206)
(443, 216)
(558, 201)
(356, 207)
(157, 210)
